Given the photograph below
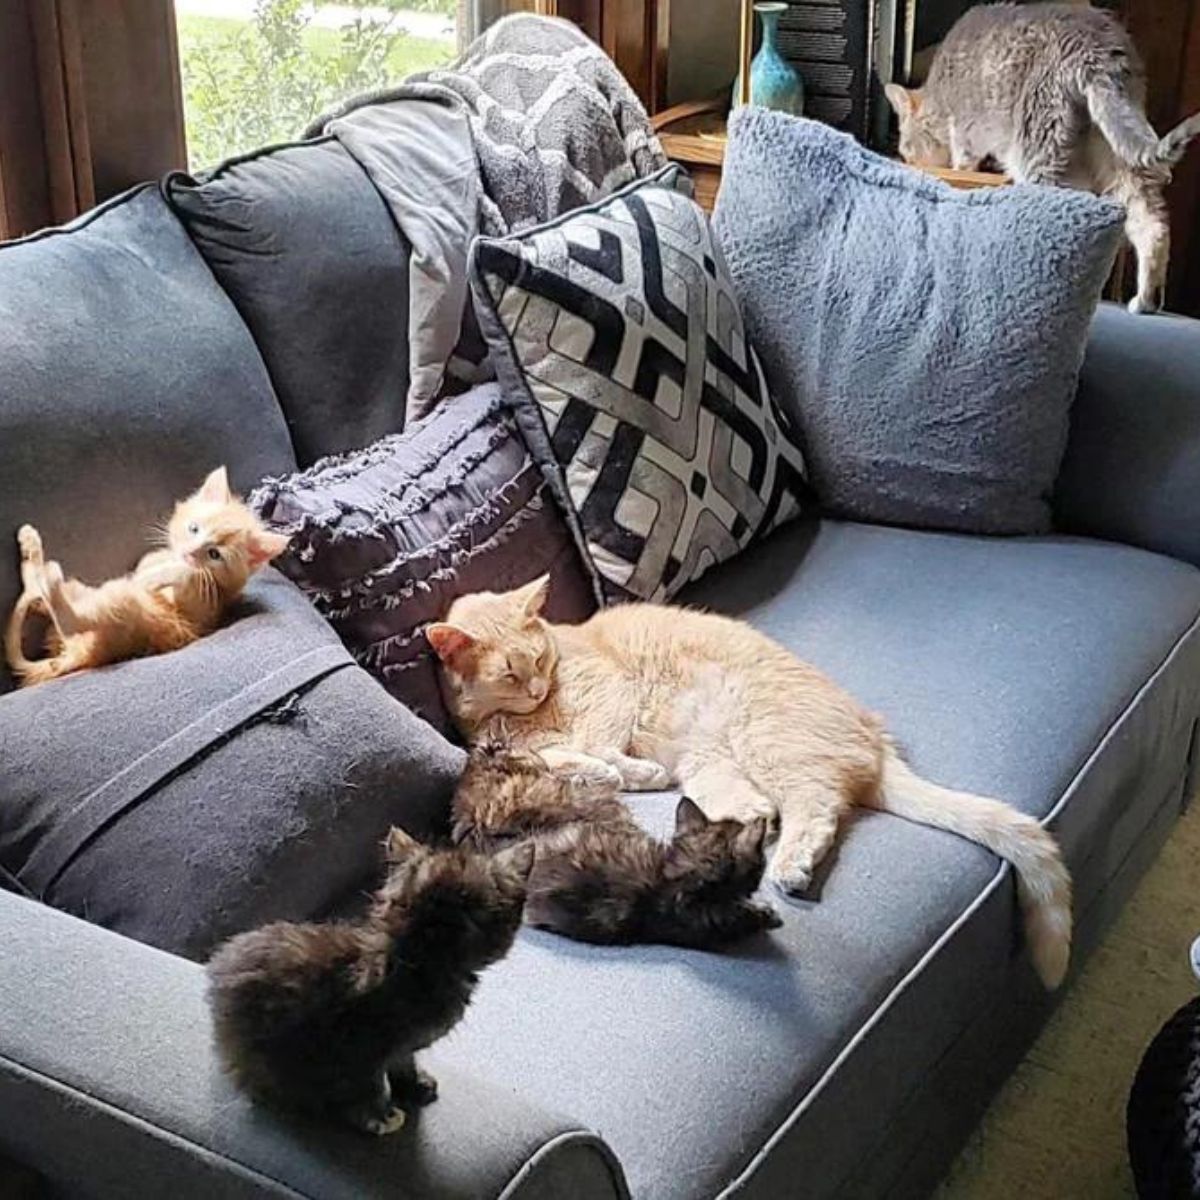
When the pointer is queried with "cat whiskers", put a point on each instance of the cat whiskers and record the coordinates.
(209, 587)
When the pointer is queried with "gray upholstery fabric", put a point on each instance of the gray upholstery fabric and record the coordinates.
(552, 124)
(248, 777)
(419, 154)
(1018, 667)
(384, 540)
(1133, 458)
(304, 245)
(125, 377)
(108, 1081)
(926, 341)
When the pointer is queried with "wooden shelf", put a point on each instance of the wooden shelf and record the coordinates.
(693, 134)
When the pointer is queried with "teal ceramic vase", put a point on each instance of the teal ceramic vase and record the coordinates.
(774, 82)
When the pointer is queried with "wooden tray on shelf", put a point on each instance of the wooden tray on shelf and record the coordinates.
(694, 134)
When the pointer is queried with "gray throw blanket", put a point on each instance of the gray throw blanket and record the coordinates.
(532, 121)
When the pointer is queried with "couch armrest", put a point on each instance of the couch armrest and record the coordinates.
(1132, 467)
(109, 1086)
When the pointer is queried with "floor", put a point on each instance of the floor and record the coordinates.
(1057, 1130)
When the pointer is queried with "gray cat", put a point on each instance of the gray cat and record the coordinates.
(1054, 94)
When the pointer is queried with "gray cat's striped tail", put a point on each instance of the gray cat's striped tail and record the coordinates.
(1129, 133)
(1172, 146)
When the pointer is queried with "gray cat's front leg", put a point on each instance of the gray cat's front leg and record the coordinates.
(961, 156)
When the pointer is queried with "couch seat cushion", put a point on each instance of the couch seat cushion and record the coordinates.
(246, 778)
(1062, 675)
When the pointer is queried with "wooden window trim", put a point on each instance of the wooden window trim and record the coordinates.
(90, 104)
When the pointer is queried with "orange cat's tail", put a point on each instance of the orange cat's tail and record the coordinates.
(1043, 882)
(28, 671)
(14, 636)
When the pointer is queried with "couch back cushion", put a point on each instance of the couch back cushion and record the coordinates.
(306, 249)
(125, 376)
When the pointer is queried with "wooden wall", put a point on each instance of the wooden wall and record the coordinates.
(1168, 34)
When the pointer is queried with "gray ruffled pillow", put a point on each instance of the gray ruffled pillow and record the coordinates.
(384, 539)
(926, 342)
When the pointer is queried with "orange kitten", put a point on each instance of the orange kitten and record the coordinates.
(214, 543)
(641, 696)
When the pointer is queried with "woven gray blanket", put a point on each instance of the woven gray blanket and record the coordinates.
(532, 121)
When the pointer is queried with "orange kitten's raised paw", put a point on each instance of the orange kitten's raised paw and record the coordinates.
(30, 543)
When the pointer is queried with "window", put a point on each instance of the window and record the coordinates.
(256, 72)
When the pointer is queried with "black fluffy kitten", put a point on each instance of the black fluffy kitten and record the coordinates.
(325, 1018)
(597, 875)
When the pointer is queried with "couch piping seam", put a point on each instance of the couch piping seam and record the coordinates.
(569, 1137)
(975, 904)
(1163, 806)
(157, 1132)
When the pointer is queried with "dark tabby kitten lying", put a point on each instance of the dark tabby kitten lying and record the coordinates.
(326, 1018)
(597, 876)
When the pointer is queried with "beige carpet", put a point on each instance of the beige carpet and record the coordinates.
(1057, 1130)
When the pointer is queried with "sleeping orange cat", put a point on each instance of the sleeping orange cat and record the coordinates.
(644, 696)
(174, 596)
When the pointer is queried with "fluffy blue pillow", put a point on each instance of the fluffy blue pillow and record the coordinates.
(926, 342)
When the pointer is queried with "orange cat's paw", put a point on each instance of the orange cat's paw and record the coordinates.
(30, 542)
(50, 582)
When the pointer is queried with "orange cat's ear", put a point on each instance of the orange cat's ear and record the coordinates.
(215, 489)
(532, 597)
(264, 546)
(449, 642)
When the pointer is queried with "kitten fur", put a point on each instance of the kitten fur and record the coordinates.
(597, 875)
(326, 1018)
(174, 596)
(1054, 94)
(641, 696)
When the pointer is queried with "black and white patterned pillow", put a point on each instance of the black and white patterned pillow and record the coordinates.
(620, 322)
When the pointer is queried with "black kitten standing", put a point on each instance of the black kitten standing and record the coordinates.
(326, 1018)
(597, 876)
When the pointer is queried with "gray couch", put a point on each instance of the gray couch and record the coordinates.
(260, 319)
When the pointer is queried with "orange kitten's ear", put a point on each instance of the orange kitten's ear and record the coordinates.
(448, 641)
(215, 489)
(532, 597)
(264, 546)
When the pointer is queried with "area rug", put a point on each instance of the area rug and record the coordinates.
(1057, 1129)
